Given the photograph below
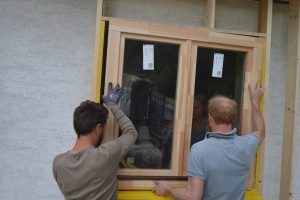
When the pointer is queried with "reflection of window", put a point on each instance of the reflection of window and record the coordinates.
(199, 119)
(149, 101)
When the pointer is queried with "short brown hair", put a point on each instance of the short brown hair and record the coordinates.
(87, 116)
(223, 109)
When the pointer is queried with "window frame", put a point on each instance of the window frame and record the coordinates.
(252, 74)
(189, 39)
(179, 117)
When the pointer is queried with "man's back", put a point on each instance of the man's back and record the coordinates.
(223, 161)
(89, 173)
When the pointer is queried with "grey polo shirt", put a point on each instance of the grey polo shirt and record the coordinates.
(223, 162)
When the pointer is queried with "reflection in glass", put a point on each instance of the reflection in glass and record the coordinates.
(199, 119)
(149, 101)
(230, 84)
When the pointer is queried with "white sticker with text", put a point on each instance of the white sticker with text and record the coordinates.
(218, 65)
(148, 57)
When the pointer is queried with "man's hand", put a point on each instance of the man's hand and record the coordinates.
(162, 188)
(113, 96)
(256, 93)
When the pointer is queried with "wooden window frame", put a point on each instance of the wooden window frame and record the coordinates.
(253, 66)
(179, 117)
(189, 39)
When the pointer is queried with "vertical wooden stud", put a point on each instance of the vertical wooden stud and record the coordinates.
(210, 13)
(96, 51)
(264, 26)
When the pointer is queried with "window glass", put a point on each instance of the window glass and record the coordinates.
(223, 78)
(149, 79)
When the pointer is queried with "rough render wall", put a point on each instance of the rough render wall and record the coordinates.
(46, 70)
(46, 49)
(182, 12)
(296, 184)
(275, 102)
(297, 173)
(237, 15)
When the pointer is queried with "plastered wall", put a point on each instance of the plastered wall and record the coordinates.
(297, 174)
(187, 12)
(45, 71)
(275, 102)
(46, 50)
(237, 15)
(296, 184)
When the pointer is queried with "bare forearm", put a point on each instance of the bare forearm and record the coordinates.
(193, 190)
(180, 194)
(258, 123)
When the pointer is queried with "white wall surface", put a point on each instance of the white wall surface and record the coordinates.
(296, 190)
(46, 49)
(45, 71)
(237, 15)
(276, 102)
(181, 12)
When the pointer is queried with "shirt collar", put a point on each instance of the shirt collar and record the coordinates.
(228, 135)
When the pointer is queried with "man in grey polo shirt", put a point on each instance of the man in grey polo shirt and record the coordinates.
(219, 165)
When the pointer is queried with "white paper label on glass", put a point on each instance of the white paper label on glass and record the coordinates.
(148, 57)
(218, 65)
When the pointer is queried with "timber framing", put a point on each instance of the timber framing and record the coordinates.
(210, 13)
(97, 57)
(292, 74)
(264, 26)
(291, 112)
(189, 40)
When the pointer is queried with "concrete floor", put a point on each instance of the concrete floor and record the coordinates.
(46, 49)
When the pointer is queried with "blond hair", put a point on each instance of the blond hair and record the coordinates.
(223, 109)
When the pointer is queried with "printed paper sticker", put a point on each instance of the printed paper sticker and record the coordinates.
(218, 65)
(148, 57)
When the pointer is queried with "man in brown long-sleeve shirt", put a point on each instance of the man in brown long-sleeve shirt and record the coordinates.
(88, 171)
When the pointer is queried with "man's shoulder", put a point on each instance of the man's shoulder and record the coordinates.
(59, 158)
(248, 143)
(250, 136)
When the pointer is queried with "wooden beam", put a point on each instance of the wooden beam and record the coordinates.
(291, 94)
(185, 33)
(264, 26)
(96, 52)
(218, 30)
(210, 13)
(265, 16)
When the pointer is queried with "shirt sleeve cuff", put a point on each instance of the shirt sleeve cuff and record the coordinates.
(197, 175)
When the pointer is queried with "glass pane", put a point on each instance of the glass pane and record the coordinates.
(227, 80)
(149, 101)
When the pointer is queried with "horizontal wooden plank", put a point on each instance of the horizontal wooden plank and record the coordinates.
(187, 32)
(147, 184)
(150, 195)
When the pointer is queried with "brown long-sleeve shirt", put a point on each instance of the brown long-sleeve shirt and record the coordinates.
(91, 173)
